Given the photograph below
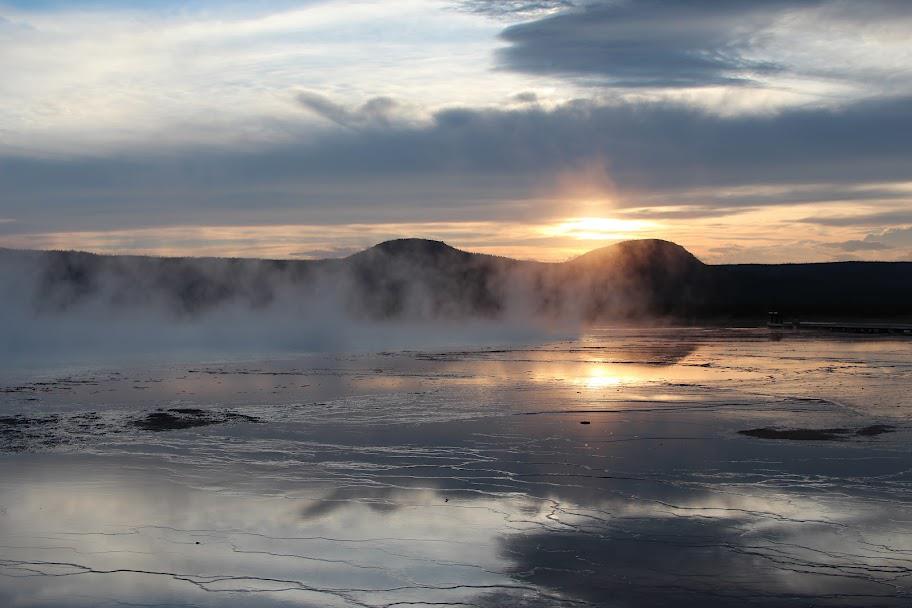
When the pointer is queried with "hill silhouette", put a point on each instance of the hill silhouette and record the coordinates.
(417, 278)
(640, 254)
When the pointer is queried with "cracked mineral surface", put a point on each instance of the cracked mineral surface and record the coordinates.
(717, 468)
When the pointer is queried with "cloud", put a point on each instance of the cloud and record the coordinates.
(655, 144)
(8, 26)
(514, 8)
(673, 44)
(856, 245)
(374, 113)
(96, 77)
(896, 237)
(650, 43)
(682, 212)
(324, 254)
(472, 163)
(885, 218)
(525, 97)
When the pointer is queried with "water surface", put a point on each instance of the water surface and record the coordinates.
(607, 471)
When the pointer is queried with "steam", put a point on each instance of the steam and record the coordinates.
(66, 305)
(398, 295)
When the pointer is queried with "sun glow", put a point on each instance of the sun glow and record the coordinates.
(598, 377)
(603, 374)
(599, 228)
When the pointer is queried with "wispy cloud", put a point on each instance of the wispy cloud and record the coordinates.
(376, 112)
(514, 9)
(884, 218)
(858, 245)
(77, 80)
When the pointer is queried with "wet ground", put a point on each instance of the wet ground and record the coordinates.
(625, 468)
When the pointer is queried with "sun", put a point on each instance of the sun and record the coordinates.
(599, 228)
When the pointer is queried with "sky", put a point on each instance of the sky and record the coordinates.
(774, 131)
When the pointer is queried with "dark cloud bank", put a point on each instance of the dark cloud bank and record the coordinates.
(651, 43)
(674, 43)
(464, 159)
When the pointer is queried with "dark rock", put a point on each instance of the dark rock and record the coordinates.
(833, 434)
(167, 421)
(797, 434)
(178, 418)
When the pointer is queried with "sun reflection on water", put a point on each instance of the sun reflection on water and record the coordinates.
(599, 376)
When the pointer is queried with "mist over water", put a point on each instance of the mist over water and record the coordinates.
(62, 306)
(403, 294)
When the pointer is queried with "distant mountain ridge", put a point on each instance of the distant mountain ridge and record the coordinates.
(417, 278)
